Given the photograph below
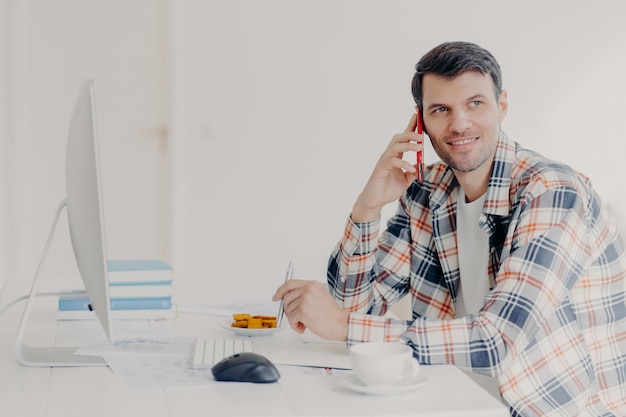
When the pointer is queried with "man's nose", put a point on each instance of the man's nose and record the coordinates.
(460, 121)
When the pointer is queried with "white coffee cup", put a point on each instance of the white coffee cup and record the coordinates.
(383, 363)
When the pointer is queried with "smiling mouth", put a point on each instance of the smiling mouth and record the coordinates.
(462, 142)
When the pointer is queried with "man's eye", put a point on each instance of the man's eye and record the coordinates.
(476, 103)
(439, 110)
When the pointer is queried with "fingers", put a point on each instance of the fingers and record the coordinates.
(291, 293)
(309, 306)
(409, 140)
(285, 292)
(401, 143)
(286, 287)
(292, 303)
(294, 294)
(403, 165)
(299, 327)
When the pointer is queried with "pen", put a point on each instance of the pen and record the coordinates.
(420, 154)
(281, 311)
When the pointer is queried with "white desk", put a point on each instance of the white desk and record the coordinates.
(97, 392)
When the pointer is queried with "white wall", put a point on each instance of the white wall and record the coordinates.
(53, 47)
(278, 110)
(5, 132)
(289, 104)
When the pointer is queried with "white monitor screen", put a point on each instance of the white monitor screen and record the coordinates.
(84, 204)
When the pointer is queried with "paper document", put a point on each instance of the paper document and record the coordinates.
(157, 372)
(177, 346)
(322, 354)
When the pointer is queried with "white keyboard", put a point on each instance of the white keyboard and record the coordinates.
(209, 351)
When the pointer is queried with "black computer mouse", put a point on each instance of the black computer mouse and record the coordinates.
(245, 367)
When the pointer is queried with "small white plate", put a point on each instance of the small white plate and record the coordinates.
(401, 387)
(241, 331)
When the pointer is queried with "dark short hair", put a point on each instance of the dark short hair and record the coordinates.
(451, 59)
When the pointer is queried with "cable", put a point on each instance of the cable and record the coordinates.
(40, 294)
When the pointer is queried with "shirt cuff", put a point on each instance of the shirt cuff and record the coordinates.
(370, 328)
(360, 238)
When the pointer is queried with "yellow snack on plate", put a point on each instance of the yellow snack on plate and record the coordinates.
(244, 320)
(255, 323)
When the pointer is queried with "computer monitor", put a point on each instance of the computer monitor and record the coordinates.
(86, 226)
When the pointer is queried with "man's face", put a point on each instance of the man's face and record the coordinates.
(462, 117)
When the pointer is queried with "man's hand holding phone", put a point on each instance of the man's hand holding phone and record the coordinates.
(391, 176)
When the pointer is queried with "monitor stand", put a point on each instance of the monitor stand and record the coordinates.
(48, 356)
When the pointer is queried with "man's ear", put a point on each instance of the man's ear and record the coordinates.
(503, 104)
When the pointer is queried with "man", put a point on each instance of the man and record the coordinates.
(512, 263)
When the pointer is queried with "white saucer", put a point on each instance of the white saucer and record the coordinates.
(400, 387)
(241, 331)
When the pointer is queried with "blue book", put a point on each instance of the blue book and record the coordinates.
(139, 270)
(81, 303)
(151, 289)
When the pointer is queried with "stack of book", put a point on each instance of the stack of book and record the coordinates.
(139, 288)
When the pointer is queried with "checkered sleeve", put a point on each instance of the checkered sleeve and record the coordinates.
(352, 276)
(351, 263)
(368, 273)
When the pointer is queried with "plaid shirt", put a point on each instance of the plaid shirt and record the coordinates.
(552, 328)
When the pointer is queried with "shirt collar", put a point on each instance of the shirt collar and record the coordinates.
(497, 201)
(497, 196)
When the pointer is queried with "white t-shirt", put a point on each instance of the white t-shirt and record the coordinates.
(473, 245)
